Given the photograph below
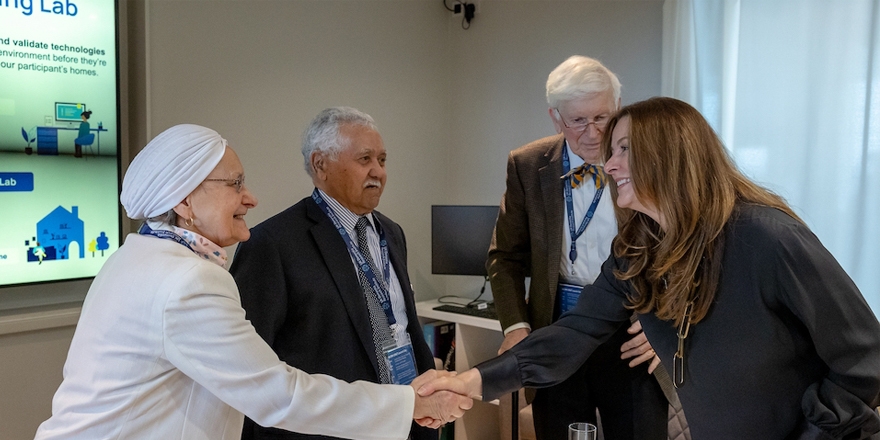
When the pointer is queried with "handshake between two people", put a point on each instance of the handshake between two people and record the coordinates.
(443, 396)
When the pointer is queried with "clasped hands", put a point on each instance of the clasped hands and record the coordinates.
(443, 396)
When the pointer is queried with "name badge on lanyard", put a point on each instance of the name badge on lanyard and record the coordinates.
(398, 354)
(567, 295)
(569, 209)
(401, 361)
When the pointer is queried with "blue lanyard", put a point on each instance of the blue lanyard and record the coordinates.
(569, 207)
(379, 288)
(164, 234)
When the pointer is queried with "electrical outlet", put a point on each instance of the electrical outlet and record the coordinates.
(469, 12)
(458, 7)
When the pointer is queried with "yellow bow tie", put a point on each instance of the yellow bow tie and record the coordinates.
(579, 175)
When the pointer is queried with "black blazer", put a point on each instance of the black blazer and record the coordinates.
(302, 294)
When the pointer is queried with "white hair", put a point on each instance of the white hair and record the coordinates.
(323, 132)
(578, 77)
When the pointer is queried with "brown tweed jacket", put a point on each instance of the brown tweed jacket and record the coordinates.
(528, 230)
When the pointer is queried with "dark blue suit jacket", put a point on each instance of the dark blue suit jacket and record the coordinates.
(302, 294)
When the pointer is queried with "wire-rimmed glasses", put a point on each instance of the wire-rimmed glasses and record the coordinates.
(580, 125)
(237, 183)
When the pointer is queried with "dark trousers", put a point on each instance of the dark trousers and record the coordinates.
(630, 402)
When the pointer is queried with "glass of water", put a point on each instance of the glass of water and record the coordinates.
(581, 431)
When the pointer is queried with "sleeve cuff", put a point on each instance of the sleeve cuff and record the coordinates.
(517, 326)
(500, 376)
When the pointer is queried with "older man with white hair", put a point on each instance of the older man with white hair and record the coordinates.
(325, 282)
(555, 224)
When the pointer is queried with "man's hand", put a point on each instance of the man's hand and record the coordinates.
(512, 338)
(639, 348)
(447, 386)
(434, 409)
(469, 383)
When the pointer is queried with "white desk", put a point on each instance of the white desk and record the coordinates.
(476, 340)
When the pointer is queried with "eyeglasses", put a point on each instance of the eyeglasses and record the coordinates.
(580, 125)
(237, 183)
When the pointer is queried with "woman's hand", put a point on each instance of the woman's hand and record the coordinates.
(639, 348)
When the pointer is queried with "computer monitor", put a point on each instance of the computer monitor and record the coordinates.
(460, 238)
(69, 111)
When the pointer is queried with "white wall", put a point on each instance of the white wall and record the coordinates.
(450, 104)
(30, 365)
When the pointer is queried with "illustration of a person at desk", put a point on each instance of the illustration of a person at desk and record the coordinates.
(81, 137)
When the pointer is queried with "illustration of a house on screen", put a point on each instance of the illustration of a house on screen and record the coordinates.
(61, 232)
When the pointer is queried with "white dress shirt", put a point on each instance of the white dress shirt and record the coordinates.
(349, 220)
(594, 245)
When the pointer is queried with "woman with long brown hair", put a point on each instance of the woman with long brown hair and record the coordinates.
(764, 334)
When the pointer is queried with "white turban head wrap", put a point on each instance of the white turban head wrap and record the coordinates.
(169, 168)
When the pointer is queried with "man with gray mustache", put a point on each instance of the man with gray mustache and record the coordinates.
(325, 282)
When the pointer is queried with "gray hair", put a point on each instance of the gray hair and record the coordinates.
(580, 76)
(169, 218)
(323, 132)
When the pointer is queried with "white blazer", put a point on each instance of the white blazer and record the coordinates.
(162, 350)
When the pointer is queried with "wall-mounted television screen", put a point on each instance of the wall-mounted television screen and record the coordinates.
(59, 161)
(460, 238)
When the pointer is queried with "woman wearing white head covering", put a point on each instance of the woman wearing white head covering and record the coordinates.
(162, 349)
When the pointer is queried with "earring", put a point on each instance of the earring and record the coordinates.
(188, 222)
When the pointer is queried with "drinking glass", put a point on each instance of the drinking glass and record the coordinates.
(581, 431)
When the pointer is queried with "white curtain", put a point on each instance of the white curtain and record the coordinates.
(793, 89)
